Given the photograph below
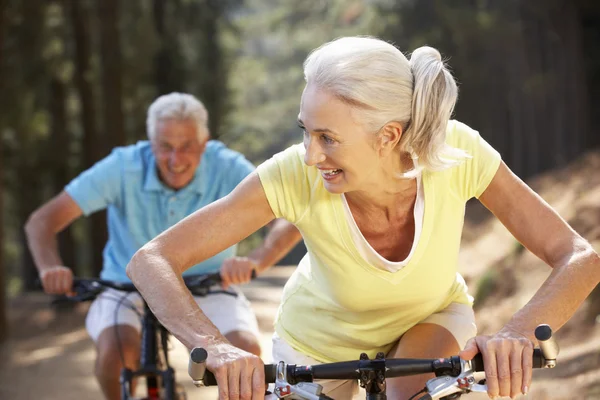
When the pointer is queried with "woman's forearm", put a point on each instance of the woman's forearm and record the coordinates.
(170, 300)
(571, 281)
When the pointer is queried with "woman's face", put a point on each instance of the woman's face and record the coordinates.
(336, 144)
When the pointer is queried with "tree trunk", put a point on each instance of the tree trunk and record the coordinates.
(112, 96)
(59, 161)
(92, 150)
(28, 169)
(3, 320)
(169, 76)
(214, 87)
(111, 72)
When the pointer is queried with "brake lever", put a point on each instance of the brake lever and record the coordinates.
(467, 381)
(299, 391)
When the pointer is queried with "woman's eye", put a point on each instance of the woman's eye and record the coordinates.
(327, 139)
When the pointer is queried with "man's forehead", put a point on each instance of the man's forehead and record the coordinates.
(174, 130)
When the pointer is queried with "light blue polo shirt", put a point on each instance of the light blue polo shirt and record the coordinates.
(140, 206)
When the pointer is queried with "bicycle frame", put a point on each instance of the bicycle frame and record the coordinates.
(149, 361)
(154, 357)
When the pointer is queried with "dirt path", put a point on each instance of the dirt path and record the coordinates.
(49, 355)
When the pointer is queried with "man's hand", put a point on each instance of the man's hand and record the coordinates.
(57, 280)
(237, 270)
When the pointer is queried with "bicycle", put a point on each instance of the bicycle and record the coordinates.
(154, 361)
(453, 376)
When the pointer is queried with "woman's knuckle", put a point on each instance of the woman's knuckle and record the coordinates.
(503, 375)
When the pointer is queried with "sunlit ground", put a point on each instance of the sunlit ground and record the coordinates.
(50, 356)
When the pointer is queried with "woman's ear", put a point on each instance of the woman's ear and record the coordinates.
(389, 137)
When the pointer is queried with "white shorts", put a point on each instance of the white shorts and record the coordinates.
(114, 307)
(458, 319)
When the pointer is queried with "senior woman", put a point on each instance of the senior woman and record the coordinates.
(378, 190)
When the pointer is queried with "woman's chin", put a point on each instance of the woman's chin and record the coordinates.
(334, 188)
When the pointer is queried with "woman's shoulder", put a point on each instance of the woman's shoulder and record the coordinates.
(289, 161)
(460, 135)
(292, 154)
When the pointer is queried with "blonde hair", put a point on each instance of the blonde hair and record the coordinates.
(383, 86)
(177, 106)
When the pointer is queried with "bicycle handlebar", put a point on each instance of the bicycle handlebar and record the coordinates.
(544, 357)
(87, 289)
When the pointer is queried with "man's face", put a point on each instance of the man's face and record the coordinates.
(178, 151)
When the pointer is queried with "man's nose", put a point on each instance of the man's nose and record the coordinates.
(175, 156)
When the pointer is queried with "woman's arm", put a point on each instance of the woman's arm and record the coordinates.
(576, 272)
(576, 266)
(157, 267)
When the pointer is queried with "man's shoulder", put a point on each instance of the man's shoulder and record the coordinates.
(217, 148)
(216, 151)
(134, 157)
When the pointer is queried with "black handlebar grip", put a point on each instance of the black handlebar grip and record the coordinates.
(270, 376)
(209, 379)
(477, 361)
(548, 345)
(270, 373)
(200, 376)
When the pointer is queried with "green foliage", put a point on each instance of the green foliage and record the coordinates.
(266, 77)
(244, 60)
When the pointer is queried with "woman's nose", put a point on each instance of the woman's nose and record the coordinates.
(314, 153)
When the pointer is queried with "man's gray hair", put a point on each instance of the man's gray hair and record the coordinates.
(177, 106)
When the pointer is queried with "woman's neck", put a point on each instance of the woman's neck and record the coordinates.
(389, 189)
(391, 200)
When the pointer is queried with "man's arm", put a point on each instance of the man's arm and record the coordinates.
(281, 238)
(42, 227)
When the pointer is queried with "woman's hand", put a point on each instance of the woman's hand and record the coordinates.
(507, 357)
(240, 375)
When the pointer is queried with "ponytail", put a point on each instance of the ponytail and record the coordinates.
(433, 100)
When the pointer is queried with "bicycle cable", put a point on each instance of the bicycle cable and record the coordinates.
(414, 396)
